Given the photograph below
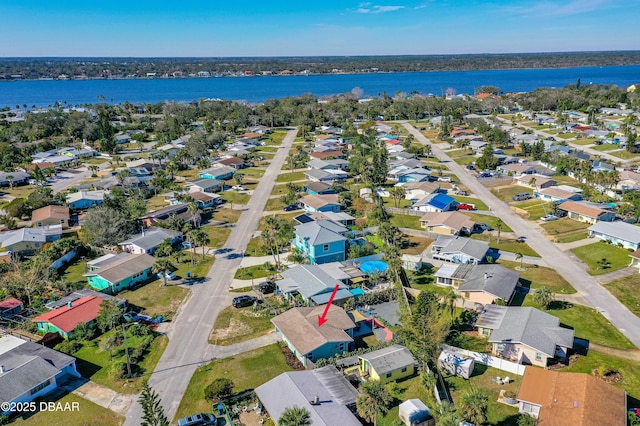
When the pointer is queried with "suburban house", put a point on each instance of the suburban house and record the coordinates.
(327, 155)
(299, 330)
(418, 174)
(525, 335)
(328, 176)
(628, 180)
(14, 178)
(435, 202)
(388, 364)
(85, 199)
(218, 173)
(517, 169)
(341, 218)
(205, 200)
(318, 188)
(322, 241)
(149, 240)
(619, 233)
(29, 370)
(447, 223)
(235, 162)
(325, 393)
(29, 240)
(65, 319)
(459, 250)
(180, 210)
(585, 213)
(111, 273)
(205, 185)
(332, 164)
(82, 293)
(535, 180)
(415, 191)
(478, 284)
(10, 307)
(558, 399)
(313, 284)
(321, 203)
(50, 215)
(556, 194)
(635, 259)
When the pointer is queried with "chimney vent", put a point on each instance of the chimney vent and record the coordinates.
(2, 369)
(70, 303)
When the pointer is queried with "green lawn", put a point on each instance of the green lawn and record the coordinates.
(279, 190)
(624, 154)
(566, 230)
(390, 202)
(417, 245)
(89, 414)
(405, 389)
(233, 197)
(156, 203)
(588, 324)
(263, 149)
(73, 274)
(96, 365)
(406, 221)
(217, 235)
(567, 136)
(565, 180)
(492, 221)
(238, 325)
(536, 277)
(585, 141)
(155, 298)
(463, 161)
(535, 209)
(629, 370)
(592, 253)
(274, 204)
(506, 193)
(290, 176)
(247, 371)
(226, 215)
(256, 271)
(252, 172)
(606, 147)
(506, 244)
(480, 205)
(255, 247)
(626, 291)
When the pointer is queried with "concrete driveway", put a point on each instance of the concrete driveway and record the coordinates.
(588, 286)
(188, 346)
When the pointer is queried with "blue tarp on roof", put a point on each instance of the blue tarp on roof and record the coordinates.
(441, 201)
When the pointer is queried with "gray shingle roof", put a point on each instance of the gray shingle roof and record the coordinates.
(123, 266)
(531, 327)
(620, 230)
(151, 238)
(321, 232)
(23, 372)
(493, 279)
(309, 280)
(389, 359)
(298, 388)
(474, 248)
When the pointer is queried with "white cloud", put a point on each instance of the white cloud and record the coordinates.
(368, 8)
(563, 8)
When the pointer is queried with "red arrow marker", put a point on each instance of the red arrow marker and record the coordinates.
(322, 318)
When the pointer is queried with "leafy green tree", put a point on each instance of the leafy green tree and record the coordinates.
(295, 416)
(374, 400)
(110, 316)
(543, 296)
(165, 248)
(487, 161)
(219, 389)
(527, 420)
(397, 193)
(105, 226)
(152, 412)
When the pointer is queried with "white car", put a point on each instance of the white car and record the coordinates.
(238, 188)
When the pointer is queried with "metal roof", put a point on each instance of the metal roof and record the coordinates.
(389, 359)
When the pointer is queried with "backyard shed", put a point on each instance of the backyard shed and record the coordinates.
(456, 364)
(413, 412)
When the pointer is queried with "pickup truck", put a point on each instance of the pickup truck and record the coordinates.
(465, 206)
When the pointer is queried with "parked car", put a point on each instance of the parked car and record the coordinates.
(485, 175)
(267, 287)
(461, 192)
(444, 179)
(201, 419)
(291, 207)
(471, 167)
(549, 218)
(465, 206)
(168, 275)
(242, 301)
(238, 188)
(483, 226)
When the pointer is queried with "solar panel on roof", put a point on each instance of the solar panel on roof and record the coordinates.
(303, 218)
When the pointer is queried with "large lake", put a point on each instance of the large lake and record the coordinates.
(258, 89)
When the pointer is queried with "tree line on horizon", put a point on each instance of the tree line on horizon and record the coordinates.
(35, 68)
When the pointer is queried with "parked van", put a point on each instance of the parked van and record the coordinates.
(521, 196)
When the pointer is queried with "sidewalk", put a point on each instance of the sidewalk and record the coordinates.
(101, 395)
(575, 244)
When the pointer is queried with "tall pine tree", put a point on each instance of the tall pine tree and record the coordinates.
(153, 412)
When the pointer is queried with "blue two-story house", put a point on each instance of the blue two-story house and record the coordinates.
(322, 241)
(298, 328)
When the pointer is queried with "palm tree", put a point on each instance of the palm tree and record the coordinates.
(162, 266)
(521, 257)
(397, 193)
(543, 296)
(499, 226)
(10, 179)
(201, 239)
(473, 405)
(295, 416)
(374, 399)
(450, 299)
(194, 209)
(93, 169)
(237, 176)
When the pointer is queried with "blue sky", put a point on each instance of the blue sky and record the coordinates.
(308, 28)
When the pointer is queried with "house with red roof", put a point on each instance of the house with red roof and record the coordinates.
(65, 319)
(10, 307)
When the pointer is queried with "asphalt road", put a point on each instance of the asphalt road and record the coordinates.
(188, 345)
(588, 286)
(66, 180)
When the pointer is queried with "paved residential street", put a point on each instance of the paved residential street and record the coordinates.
(588, 286)
(188, 345)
